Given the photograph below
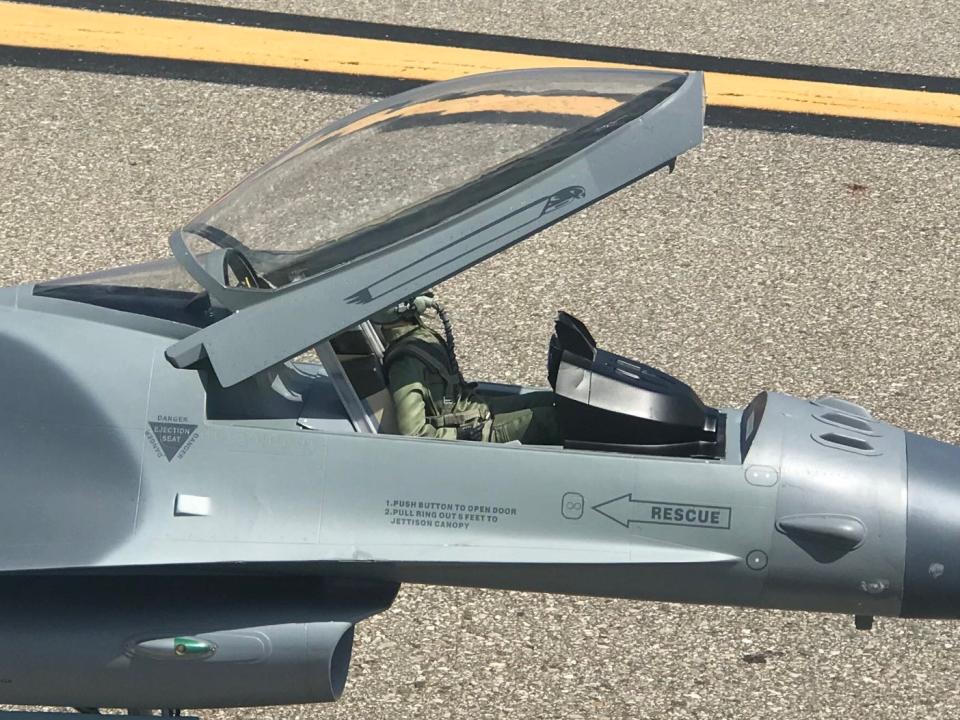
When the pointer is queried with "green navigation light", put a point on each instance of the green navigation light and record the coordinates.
(191, 646)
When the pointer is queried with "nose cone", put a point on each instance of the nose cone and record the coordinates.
(931, 587)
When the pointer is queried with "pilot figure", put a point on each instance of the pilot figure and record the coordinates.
(433, 400)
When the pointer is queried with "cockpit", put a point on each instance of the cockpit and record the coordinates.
(397, 198)
(605, 402)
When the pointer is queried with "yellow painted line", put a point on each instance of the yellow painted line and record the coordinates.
(37, 26)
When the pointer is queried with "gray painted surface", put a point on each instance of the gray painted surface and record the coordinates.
(119, 464)
(294, 496)
(202, 641)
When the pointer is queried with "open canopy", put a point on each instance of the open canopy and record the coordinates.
(407, 164)
(414, 189)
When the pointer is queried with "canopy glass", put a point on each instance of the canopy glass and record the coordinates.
(406, 164)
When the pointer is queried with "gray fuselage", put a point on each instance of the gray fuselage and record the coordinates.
(119, 462)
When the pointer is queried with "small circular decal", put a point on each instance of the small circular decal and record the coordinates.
(756, 560)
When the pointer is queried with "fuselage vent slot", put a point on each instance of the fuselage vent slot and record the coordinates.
(846, 442)
(847, 421)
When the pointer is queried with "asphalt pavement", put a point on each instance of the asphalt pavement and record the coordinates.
(766, 261)
(888, 35)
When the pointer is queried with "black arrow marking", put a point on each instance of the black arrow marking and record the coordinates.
(624, 510)
(619, 509)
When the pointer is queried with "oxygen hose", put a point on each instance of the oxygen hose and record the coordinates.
(421, 304)
(451, 340)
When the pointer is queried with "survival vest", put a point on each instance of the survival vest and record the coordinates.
(458, 406)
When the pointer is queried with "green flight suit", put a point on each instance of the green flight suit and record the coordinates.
(432, 400)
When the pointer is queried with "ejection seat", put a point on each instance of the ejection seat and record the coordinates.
(610, 403)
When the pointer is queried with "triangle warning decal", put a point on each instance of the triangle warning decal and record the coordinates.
(171, 436)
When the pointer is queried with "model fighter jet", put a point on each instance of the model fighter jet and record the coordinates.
(191, 518)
